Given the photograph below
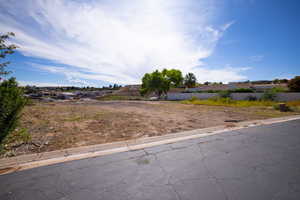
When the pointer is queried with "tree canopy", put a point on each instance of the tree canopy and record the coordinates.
(190, 80)
(155, 82)
(294, 84)
(5, 49)
(160, 82)
(174, 76)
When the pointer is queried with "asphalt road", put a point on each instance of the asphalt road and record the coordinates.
(254, 163)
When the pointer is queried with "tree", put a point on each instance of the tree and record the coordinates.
(12, 99)
(174, 76)
(190, 80)
(294, 84)
(5, 49)
(12, 102)
(155, 82)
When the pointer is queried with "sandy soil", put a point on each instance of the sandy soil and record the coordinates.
(54, 126)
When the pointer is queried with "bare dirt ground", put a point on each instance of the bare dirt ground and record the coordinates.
(55, 126)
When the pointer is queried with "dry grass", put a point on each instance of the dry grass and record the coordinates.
(54, 126)
(294, 103)
(228, 102)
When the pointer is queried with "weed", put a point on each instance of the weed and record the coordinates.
(228, 102)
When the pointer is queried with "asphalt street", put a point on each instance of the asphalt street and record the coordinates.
(253, 163)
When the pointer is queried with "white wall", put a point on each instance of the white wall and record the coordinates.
(236, 96)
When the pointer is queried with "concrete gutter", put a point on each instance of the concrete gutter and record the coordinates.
(23, 162)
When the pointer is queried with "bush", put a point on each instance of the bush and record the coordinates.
(12, 102)
(243, 90)
(282, 107)
(269, 95)
(223, 100)
(225, 94)
(294, 84)
(194, 98)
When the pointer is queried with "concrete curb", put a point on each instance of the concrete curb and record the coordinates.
(18, 163)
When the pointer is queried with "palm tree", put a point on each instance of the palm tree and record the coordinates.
(190, 80)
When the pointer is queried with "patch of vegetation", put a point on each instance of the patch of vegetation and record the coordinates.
(238, 90)
(227, 102)
(120, 98)
(12, 102)
(190, 80)
(74, 119)
(294, 103)
(12, 99)
(294, 84)
(269, 95)
(17, 138)
(225, 94)
(243, 90)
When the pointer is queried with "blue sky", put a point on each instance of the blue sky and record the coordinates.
(99, 42)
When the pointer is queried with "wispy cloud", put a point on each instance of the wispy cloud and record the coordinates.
(256, 58)
(116, 42)
(225, 75)
(44, 84)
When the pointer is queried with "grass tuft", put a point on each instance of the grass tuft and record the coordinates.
(228, 102)
(119, 98)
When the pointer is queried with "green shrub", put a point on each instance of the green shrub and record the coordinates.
(194, 98)
(282, 107)
(223, 100)
(225, 94)
(278, 89)
(243, 90)
(294, 84)
(12, 102)
(269, 95)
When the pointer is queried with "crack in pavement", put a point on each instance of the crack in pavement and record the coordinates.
(211, 175)
(167, 174)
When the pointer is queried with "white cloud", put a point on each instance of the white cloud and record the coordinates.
(225, 75)
(117, 42)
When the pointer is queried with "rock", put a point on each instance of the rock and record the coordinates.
(153, 98)
(283, 107)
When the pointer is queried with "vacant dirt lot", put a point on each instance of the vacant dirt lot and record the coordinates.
(54, 126)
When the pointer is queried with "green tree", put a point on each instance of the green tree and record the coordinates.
(155, 82)
(294, 84)
(5, 50)
(174, 76)
(12, 102)
(190, 80)
(12, 99)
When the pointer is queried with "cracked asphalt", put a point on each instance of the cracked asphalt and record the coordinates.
(254, 163)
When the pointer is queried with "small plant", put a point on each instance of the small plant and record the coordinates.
(243, 90)
(194, 98)
(282, 107)
(269, 95)
(225, 94)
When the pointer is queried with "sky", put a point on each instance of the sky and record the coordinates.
(101, 42)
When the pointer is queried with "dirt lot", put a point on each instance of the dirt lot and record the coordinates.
(54, 126)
